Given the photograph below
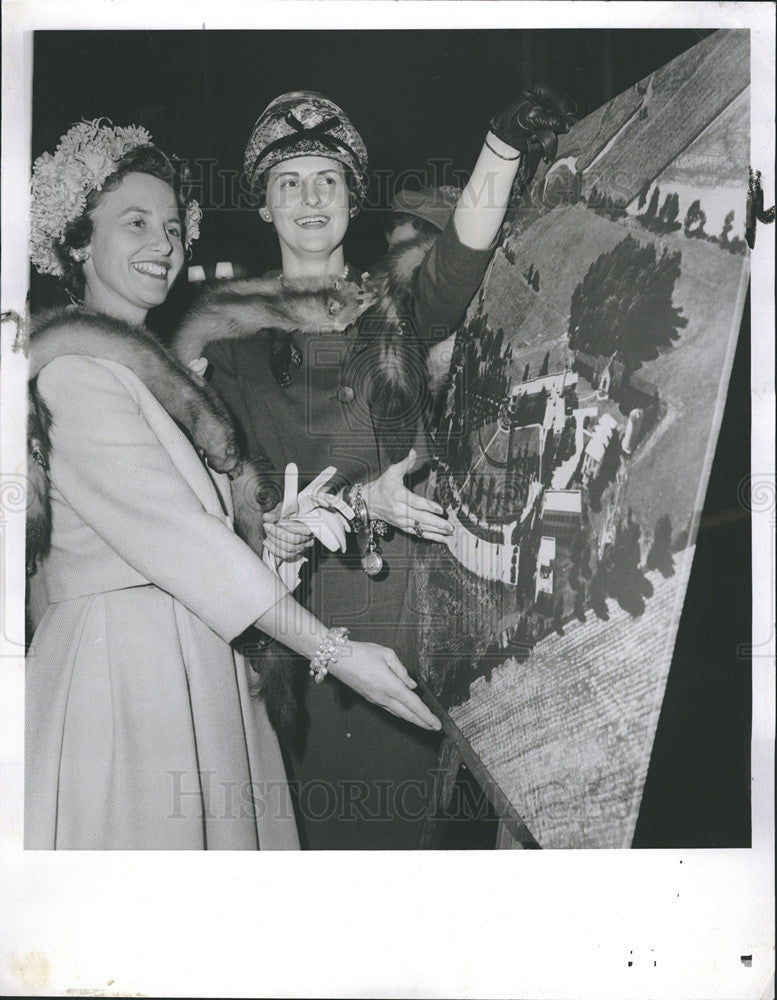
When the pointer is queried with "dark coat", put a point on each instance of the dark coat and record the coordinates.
(355, 402)
(327, 414)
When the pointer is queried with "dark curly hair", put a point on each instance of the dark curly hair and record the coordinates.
(140, 160)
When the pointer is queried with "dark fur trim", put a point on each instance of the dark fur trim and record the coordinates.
(242, 308)
(192, 403)
(395, 272)
(399, 392)
(277, 677)
(235, 309)
(185, 396)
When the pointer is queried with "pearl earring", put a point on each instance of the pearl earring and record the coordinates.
(80, 255)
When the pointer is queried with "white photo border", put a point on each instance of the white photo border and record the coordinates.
(555, 924)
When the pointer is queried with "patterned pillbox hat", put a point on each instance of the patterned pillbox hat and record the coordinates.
(304, 123)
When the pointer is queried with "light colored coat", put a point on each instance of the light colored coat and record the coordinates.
(139, 729)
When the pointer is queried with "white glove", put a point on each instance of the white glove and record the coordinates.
(323, 514)
(327, 516)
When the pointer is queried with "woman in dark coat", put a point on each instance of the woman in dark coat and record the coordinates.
(355, 400)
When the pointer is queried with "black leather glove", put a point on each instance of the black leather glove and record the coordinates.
(533, 123)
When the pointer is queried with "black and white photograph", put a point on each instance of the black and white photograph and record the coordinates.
(584, 396)
(386, 469)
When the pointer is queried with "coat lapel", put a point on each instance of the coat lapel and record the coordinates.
(212, 489)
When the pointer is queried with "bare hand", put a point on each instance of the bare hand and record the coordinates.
(285, 538)
(390, 500)
(377, 674)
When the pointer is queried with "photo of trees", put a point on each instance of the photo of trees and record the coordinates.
(573, 442)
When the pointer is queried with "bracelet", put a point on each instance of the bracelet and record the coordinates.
(354, 497)
(500, 155)
(372, 561)
(328, 653)
(356, 501)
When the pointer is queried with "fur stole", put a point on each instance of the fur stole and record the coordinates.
(398, 386)
(185, 396)
(398, 391)
(197, 408)
(241, 308)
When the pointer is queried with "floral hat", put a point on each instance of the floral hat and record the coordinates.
(304, 123)
(61, 182)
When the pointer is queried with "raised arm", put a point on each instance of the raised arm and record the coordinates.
(453, 268)
(519, 137)
(524, 132)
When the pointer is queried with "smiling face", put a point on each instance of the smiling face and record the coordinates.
(136, 249)
(307, 203)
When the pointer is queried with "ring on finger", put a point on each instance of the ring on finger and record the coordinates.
(417, 528)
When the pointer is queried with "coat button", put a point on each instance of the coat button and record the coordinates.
(345, 394)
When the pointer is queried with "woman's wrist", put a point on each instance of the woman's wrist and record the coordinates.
(359, 498)
(294, 626)
(370, 497)
(369, 529)
(333, 645)
(303, 633)
(501, 148)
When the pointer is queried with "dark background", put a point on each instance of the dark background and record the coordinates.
(416, 97)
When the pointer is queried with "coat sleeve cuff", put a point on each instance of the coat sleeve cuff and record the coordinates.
(446, 283)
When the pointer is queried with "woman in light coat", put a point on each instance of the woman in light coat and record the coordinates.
(356, 399)
(139, 729)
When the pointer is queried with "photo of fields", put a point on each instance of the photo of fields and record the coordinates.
(574, 442)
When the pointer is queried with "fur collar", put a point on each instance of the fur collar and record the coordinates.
(235, 309)
(186, 397)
